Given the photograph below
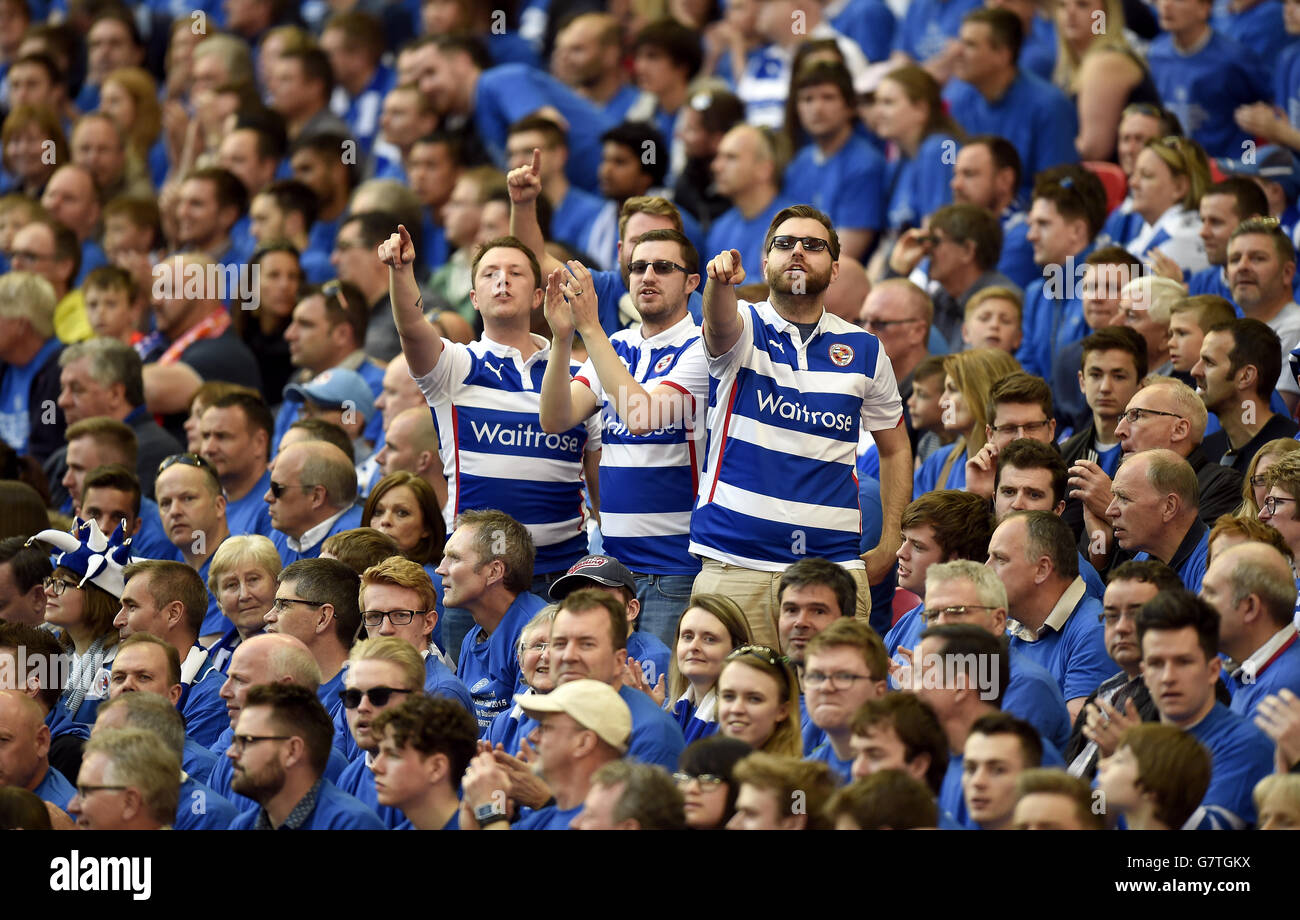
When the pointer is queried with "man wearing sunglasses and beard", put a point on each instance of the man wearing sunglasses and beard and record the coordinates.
(795, 389)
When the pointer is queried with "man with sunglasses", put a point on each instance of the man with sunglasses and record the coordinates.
(382, 673)
(647, 385)
(192, 506)
(279, 755)
(312, 496)
(792, 389)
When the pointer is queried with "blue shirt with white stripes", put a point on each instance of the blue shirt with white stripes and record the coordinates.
(485, 399)
(648, 482)
(780, 480)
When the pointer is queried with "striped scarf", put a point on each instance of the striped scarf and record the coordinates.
(83, 675)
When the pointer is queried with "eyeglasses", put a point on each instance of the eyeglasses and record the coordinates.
(840, 680)
(26, 255)
(957, 610)
(706, 780)
(240, 742)
(1021, 431)
(56, 586)
(277, 488)
(1112, 617)
(1135, 415)
(378, 696)
(282, 602)
(396, 617)
(345, 245)
(810, 243)
(1259, 480)
(85, 792)
(1270, 504)
(537, 647)
(661, 267)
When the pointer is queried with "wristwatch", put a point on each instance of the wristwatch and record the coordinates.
(490, 813)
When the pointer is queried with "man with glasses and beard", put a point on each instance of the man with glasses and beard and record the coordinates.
(279, 752)
(788, 365)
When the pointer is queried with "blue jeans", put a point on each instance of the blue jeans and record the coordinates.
(663, 601)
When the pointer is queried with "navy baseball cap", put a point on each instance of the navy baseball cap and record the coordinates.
(604, 570)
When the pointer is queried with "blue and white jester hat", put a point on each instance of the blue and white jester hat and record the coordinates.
(87, 552)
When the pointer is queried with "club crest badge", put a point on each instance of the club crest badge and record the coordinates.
(841, 355)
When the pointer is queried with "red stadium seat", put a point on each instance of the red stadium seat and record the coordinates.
(1113, 178)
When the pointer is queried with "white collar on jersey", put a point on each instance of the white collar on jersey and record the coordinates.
(667, 335)
(503, 350)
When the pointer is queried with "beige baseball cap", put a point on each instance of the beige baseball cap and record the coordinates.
(594, 705)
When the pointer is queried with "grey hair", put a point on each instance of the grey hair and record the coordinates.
(110, 361)
(988, 587)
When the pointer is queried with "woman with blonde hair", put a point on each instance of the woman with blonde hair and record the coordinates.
(711, 628)
(1254, 488)
(129, 96)
(758, 701)
(1098, 69)
(1169, 178)
(968, 378)
(1145, 305)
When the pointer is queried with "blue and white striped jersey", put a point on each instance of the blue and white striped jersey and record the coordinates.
(485, 400)
(780, 479)
(648, 483)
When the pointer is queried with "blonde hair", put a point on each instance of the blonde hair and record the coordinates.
(1069, 63)
(974, 372)
(1278, 447)
(1156, 294)
(398, 651)
(239, 548)
(1286, 785)
(143, 90)
(996, 293)
(786, 739)
(24, 295)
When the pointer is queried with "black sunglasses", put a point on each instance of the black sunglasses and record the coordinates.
(378, 696)
(661, 267)
(810, 243)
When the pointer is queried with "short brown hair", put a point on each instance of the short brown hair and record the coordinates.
(429, 549)
(1264, 226)
(786, 776)
(813, 570)
(1210, 309)
(172, 656)
(591, 598)
(432, 725)
(803, 212)
(497, 529)
(917, 726)
(110, 278)
(1117, 338)
(296, 711)
(1173, 766)
(109, 433)
(117, 477)
(649, 795)
(507, 242)
(961, 522)
(969, 223)
(1051, 781)
(1020, 388)
(1076, 192)
(857, 635)
(174, 581)
(647, 204)
(886, 800)
(361, 547)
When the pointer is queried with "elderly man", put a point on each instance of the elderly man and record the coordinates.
(279, 751)
(1053, 619)
(1154, 515)
(1253, 589)
(899, 314)
(129, 781)
(626, 796)
(312, 492)
(1167, 414)
(71, 197)
(29, 353)
(581, 727)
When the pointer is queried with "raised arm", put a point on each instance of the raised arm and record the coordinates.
(420, 340)
(525, 184)
(565, 402)
(721, 316)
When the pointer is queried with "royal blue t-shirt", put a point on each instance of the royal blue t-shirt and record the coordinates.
(928, 26)
(358, 780)
(201, 808)
(1034, 695)
(1282, 670)
(1240, 756)
(648, 649)
(251, 514)
(550, 818)
(55, 788)
(1076, 655)
(921, 184)
(843, 769)
(335, 811)
(848, 185)
(926, 479)
(733, 231)
(490, 668)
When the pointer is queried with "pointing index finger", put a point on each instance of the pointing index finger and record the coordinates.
(537, 160)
